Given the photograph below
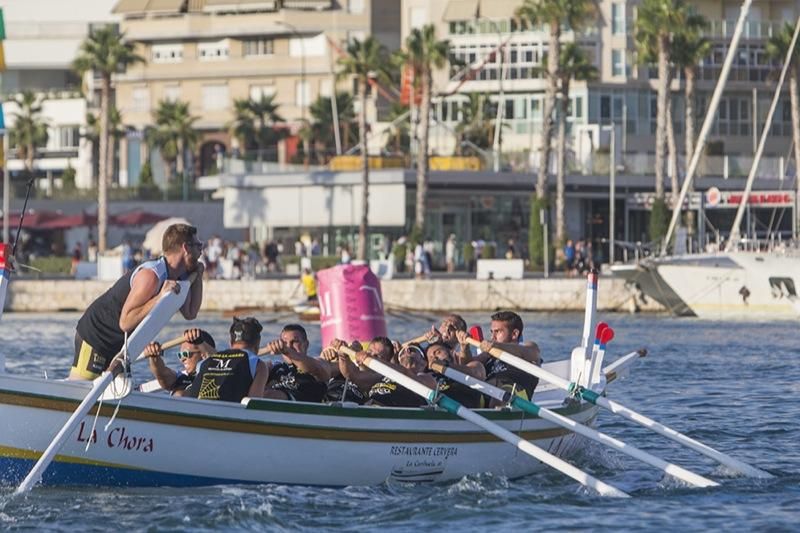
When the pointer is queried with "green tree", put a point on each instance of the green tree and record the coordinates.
(778, 50)
(30, 128)
(172, 135)
(424, 53)
(116, 131)
(399, 141)
(104, 52)
(364, 61)
(476, 125)
(655, 27)
(575, 65)
(323, 126)
(254, 123)
(556, 15)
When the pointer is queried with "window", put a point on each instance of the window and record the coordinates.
(258, 47)
(213, 50)
(215, 97)
(618, 62)
(617, 18)
(68, 137)
(355, 6)
(302, 94)
(326, 88)
(257, 91)
(172, 93)
(308, 46)
(418, 16)
(140, 100)
(167, 53)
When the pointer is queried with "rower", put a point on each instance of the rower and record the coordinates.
(388, 393)
(232, 374)
(299, 377)
(447, 333)
(197, 345)
(362, 378)
(506, 330)
(439, 352)
(101, 330)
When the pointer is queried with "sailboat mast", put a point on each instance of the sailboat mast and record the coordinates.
(711, 113)
(735, 233)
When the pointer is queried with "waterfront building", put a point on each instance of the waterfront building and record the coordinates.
(211, 52)
(42, 40)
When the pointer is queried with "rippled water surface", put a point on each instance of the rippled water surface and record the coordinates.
(734, 387)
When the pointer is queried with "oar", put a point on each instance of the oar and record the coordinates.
(547, 414)
(158, 317)
(614, 407)
(459, 410)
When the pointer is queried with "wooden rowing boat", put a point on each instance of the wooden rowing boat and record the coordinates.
(159, 440)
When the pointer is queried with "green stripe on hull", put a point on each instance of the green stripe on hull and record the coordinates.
(299, 430)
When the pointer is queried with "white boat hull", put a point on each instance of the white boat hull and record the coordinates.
(723, 285)
(158, 440)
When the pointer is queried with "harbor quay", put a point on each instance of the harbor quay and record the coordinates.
(439, 295)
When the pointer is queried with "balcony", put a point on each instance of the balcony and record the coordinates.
(753, 29)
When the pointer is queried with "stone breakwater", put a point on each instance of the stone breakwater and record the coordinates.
(436, 295)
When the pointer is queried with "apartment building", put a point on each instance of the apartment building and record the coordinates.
(42, 40)
(212, 52)
(624, 93)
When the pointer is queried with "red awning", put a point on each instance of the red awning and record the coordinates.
(33, 219)
(137, 217)
(70, 221)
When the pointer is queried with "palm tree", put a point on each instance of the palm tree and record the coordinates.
(574, 65)
(30, 129)
(656, 27)
(322, 123)
(254, 123)
(106, 53)
(173, 134)
(476, 125)
(116, 131)
(365, 60)
(689, 47)
(556, 15)
(424, 53)
(399, 141)
(777, 50)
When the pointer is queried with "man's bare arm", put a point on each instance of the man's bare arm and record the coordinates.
(142, 298)
(194, 299)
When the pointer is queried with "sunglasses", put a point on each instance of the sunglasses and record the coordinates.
(186, 354)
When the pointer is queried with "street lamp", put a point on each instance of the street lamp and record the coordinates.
(292, 28)
(497, 145)
(612, 178)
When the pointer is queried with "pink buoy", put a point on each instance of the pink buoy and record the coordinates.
(350, 304)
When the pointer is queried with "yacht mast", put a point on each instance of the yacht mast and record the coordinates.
(733, 240)
(711, 113)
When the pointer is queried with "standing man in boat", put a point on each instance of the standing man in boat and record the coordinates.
(232, 374)
(299, 377)
(197, 344)
(506, 329)
(101, 330)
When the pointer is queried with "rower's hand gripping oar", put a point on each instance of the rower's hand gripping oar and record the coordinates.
(617, 408)
(546, 414)
(457, 409)
(144, 333)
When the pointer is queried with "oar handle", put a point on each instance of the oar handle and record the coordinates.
(177, 341)
(416, 340)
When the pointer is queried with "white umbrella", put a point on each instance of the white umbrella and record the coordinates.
(153, 237)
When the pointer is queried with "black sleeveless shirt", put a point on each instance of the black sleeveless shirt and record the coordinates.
(297, 385)
(389, 394)
(99, 325)
(505, 375)
(459, 392)
(225, 376)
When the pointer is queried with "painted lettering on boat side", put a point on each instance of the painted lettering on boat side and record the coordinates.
(425, 451)
(117, 438)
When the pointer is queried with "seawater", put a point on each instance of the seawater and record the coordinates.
(734, 386)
